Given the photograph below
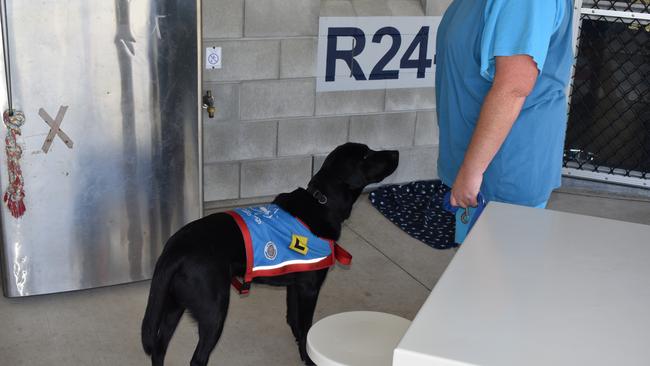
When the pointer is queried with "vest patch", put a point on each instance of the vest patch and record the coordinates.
(299, 244)
(270, 250)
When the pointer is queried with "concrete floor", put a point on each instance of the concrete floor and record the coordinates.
(391, 272)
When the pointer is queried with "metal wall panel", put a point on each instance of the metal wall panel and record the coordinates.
(98, 213)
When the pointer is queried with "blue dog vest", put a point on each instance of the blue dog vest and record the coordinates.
(278, 243)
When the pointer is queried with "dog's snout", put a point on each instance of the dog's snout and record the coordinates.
(391, 160)
(394, 155)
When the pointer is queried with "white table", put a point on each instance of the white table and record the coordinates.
(537, 287)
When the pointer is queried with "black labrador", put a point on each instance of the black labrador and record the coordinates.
(195, 268)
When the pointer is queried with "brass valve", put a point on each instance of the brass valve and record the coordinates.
(208, 103)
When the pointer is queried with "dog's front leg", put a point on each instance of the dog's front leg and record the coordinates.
(307, 299)
(307, 288)
(292, 310)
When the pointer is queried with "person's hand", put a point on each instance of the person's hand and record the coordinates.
(466, 189)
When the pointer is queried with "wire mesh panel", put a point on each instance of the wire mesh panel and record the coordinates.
(609, 118)
(636, 6)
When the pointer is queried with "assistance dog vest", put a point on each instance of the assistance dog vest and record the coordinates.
(278, 243)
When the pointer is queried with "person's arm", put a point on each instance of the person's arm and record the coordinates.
(514, 79)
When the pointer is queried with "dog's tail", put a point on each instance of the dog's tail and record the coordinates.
(158, 295)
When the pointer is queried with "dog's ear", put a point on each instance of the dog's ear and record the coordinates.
(357, 180)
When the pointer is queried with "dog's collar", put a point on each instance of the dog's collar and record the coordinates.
(318, 195)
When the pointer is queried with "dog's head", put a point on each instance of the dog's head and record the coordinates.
(347, 170)
(356, 165)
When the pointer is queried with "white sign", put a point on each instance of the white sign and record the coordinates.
(213, 58)
(356, 53)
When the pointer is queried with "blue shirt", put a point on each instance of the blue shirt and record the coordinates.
(472, 33)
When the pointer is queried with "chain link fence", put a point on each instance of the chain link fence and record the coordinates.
(609, 118)
(636, 6)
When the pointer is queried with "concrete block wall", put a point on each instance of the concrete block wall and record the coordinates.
(272, 130)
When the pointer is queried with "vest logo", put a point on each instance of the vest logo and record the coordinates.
(299, 244)
(270, 251)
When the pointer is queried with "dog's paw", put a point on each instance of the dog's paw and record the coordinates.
(304, 356)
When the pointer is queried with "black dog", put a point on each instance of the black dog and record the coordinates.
(195, 268)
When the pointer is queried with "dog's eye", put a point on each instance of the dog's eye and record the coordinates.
(365, 156)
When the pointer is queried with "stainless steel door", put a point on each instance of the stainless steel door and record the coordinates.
(127, 70)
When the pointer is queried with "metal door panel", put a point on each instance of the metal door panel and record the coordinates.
(98, 213)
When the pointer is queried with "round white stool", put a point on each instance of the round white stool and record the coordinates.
(357, 338)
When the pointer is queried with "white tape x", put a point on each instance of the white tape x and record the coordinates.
(55, 128)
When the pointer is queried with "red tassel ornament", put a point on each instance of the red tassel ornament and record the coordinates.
(14, 197)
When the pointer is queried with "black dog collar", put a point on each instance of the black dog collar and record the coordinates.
(318, 195)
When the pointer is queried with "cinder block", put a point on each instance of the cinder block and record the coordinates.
(223, 19)
(277, 98)
(270, 177)
(437, 7)
(220, 181)
(311, 136)
(409, 99)
(273, 18)
(226, 100)
(406, 8)
(336, 8)
(318, 162)
(239, 140)
(388, 7)
(245, 60)
(350, 102)
(371, 8)
(384, 130)
(298, 58)
(415, 164)
(426, 129)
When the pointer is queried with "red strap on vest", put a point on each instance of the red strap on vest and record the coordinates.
(242, 288)
(342, 255)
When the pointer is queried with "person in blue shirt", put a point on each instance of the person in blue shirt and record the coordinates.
(502, 71)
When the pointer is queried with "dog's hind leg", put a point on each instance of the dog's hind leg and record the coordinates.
(172, 316)
(211, 322)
